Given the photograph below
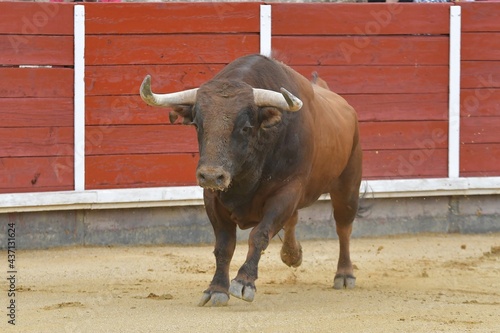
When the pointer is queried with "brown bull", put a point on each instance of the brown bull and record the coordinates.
(270, 143)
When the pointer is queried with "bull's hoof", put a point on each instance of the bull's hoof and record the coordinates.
(239, 290)
(291, 257)
(342, 281)
(214, 299)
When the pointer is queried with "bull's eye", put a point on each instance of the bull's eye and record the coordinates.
(247, 128)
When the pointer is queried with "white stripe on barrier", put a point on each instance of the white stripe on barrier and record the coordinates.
(265, 30)
(79, 98)
(454, 94)
(193, 195)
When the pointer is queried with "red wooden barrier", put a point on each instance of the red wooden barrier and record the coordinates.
(36, 104)
(391, 64)
(389, 61)
(480, 90)
(181, 45)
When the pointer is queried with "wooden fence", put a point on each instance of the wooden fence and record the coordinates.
(390, 61)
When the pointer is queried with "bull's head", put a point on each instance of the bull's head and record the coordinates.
(231, 119)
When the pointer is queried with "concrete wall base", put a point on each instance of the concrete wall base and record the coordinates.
(190, 225)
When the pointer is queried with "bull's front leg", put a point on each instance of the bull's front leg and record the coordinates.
(276, 212)
(225, 242)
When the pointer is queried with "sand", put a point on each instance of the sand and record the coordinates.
(412, 283)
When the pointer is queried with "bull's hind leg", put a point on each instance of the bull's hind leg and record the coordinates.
(291, 251)
(345, 197)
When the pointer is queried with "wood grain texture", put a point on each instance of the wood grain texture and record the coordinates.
(381, 79)
(119, 171)
(480, 102)
(397, 135)
(479, 160)
(40, 18)
(480, 130)
(480, 74)
(140, 139)
(480, 16)
(36, 82)
(36, 141)
(351, 19)
(36, 174)
(481, 46)
(123, 110)
(404, 164)
(36, 50)
(156, 18)
(362, 50)
(126, 80)
(390, 107)
(168, 49)
(36, 112)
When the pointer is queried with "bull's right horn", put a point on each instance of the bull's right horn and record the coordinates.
(186, 97)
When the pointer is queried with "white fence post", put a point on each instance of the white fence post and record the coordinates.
(79, 98)
(454, 94)
(265, 30)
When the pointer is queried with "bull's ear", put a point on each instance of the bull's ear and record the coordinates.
(183, 111)
(269, 117)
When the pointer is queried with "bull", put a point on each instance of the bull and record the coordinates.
(271, 142)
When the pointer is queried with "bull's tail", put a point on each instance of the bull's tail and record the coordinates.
(363, 206)
(319, 81)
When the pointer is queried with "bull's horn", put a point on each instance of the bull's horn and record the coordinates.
(284, 100)
(185, 97)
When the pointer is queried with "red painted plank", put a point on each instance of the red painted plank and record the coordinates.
(487, 42)
(36, 174)
(36, 82)
(129, 171)
(36, 112)
(362, 50)
(424, 135)
(168, 49)
(356, 19)
(36, 141)
(35, 18)
(403, 164)
(479, 160)
(480, 130)
(155, 18)
(390, 107)
(480, 102)
(480, 16)
(480, 74)
(36, 50)
(140, 139)
(115, 110)
(381, 79)
(119, 80)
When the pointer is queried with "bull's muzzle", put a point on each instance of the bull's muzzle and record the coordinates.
(213, 178)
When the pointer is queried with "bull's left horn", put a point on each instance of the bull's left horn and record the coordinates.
(284, 100)
(186, 97)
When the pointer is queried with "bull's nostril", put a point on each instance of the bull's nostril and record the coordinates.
(212, 177)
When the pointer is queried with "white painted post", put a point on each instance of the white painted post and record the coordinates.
(79, 98)
(265, 30)
(454, 94)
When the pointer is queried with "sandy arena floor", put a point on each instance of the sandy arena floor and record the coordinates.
(417, 283)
